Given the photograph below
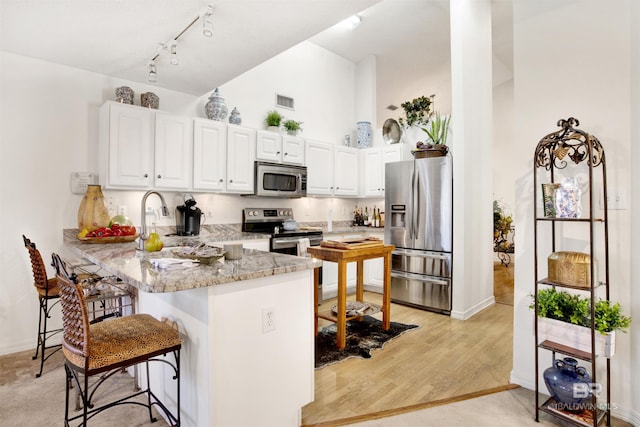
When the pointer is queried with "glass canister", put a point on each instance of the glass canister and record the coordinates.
(216, 108)
(364, 134)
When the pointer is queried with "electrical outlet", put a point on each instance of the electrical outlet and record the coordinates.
(268, 320)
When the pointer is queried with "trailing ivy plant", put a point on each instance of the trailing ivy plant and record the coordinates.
(416, 111)
(576, 309)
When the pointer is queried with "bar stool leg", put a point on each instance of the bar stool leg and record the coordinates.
(42, 333)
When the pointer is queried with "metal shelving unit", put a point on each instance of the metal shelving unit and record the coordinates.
(572, 151)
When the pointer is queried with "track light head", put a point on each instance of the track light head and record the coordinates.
(173, 59)
(153, 75)
(207, 22)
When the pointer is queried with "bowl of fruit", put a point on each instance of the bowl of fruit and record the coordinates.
(119, 230)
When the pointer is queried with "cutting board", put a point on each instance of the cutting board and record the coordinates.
(352, 244)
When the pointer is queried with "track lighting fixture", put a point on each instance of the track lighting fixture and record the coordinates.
(354, 21)
(172, 44)
(153, 75)
(207, 22)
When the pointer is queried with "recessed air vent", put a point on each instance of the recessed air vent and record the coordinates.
(285, 102)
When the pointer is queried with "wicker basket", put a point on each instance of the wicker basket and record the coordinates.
(570, 268)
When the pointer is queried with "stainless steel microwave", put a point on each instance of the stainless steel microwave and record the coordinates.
(278, 180)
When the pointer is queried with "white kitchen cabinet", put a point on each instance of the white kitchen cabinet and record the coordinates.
(292, 150)
(241, 153)
(173, 152)
(277, 148)
(209, 155)
(125, 146)
(371, 172)
(320, 167)
(345, 171)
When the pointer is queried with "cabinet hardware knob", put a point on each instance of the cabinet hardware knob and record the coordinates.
(277, 152)
(159, 176)
(230, 180)
(221, 180)
(146, 175)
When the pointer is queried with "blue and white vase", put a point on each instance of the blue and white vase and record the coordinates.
(364, 134)
(234, 117)
(562, 381)
(216, 108)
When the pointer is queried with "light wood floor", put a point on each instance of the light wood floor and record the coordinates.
(442, 359)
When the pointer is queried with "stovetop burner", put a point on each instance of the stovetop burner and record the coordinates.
(266, 220)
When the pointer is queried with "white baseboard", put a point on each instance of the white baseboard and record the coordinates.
(464, 315)
(18, 347)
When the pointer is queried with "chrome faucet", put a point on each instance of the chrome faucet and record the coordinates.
(143, 219)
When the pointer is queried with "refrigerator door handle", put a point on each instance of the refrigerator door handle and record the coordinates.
(413, 233)
(420, 278)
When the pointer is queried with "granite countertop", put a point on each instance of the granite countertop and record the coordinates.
(134, 267)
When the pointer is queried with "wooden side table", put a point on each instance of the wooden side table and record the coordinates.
(342, 257)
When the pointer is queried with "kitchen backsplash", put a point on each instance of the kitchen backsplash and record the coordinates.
(227, 209)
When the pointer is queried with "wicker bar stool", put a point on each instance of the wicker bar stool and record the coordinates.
(107, 347)
(48, 297)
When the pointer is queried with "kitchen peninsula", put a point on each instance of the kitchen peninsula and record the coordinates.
(229, 356)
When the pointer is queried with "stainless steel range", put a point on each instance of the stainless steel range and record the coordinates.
(270, 221)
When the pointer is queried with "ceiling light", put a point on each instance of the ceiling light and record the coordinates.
(207, 22)
(354, 21)
(153, 75)
(174, 55)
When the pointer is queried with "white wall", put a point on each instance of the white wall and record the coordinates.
(49, 128)
(578, 66)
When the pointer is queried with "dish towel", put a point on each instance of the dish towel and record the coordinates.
(303, 244)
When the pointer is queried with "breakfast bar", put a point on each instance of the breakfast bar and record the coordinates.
(343, 253)
(230, 354)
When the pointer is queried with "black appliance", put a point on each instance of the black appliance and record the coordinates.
(188, 218)
(269, 221)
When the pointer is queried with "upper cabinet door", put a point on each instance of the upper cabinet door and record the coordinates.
(319, 168)
(292, 150)
(346, 171)
(209, 155)
(268, 146)
(241, 153)
(371, 172)
(173, 152)
(126, 138)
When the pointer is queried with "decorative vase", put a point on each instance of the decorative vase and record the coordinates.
(561, 380)
(93, 212)
(216, 109)
(150, 100)
(234, 117)
(292, 132)
(124, 95)
(273, 128)
(364, 134)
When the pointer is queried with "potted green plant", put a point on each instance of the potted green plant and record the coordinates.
(438, 131)
(566, 319)
(292, 126)
(416, 112)
(273, 120)
(501, 228)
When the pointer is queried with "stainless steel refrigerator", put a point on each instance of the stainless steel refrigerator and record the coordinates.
(419, 222)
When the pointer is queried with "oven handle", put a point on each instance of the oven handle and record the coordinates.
(290, 242)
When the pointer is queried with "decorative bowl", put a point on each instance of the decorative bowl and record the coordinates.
(204, 254)
(289, 225)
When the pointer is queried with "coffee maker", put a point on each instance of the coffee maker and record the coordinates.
(188, 218)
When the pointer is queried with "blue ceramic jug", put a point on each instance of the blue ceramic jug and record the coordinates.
(561, 378)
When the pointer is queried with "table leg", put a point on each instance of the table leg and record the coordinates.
(342, 305)
(316, 283)
(360, 281)
(386, 293)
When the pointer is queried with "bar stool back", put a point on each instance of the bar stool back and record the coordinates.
(103, 348)
(48, 297)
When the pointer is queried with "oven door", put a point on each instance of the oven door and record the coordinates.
(289, 245)
(275, 180)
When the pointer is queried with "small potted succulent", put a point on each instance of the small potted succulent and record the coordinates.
(292, 126)
(273, 120)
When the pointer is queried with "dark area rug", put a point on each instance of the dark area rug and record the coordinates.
(362, 337)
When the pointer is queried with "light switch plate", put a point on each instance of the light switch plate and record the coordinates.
(80, 181)
(616, 199)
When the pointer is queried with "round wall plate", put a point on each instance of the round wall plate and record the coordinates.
(391, 132)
